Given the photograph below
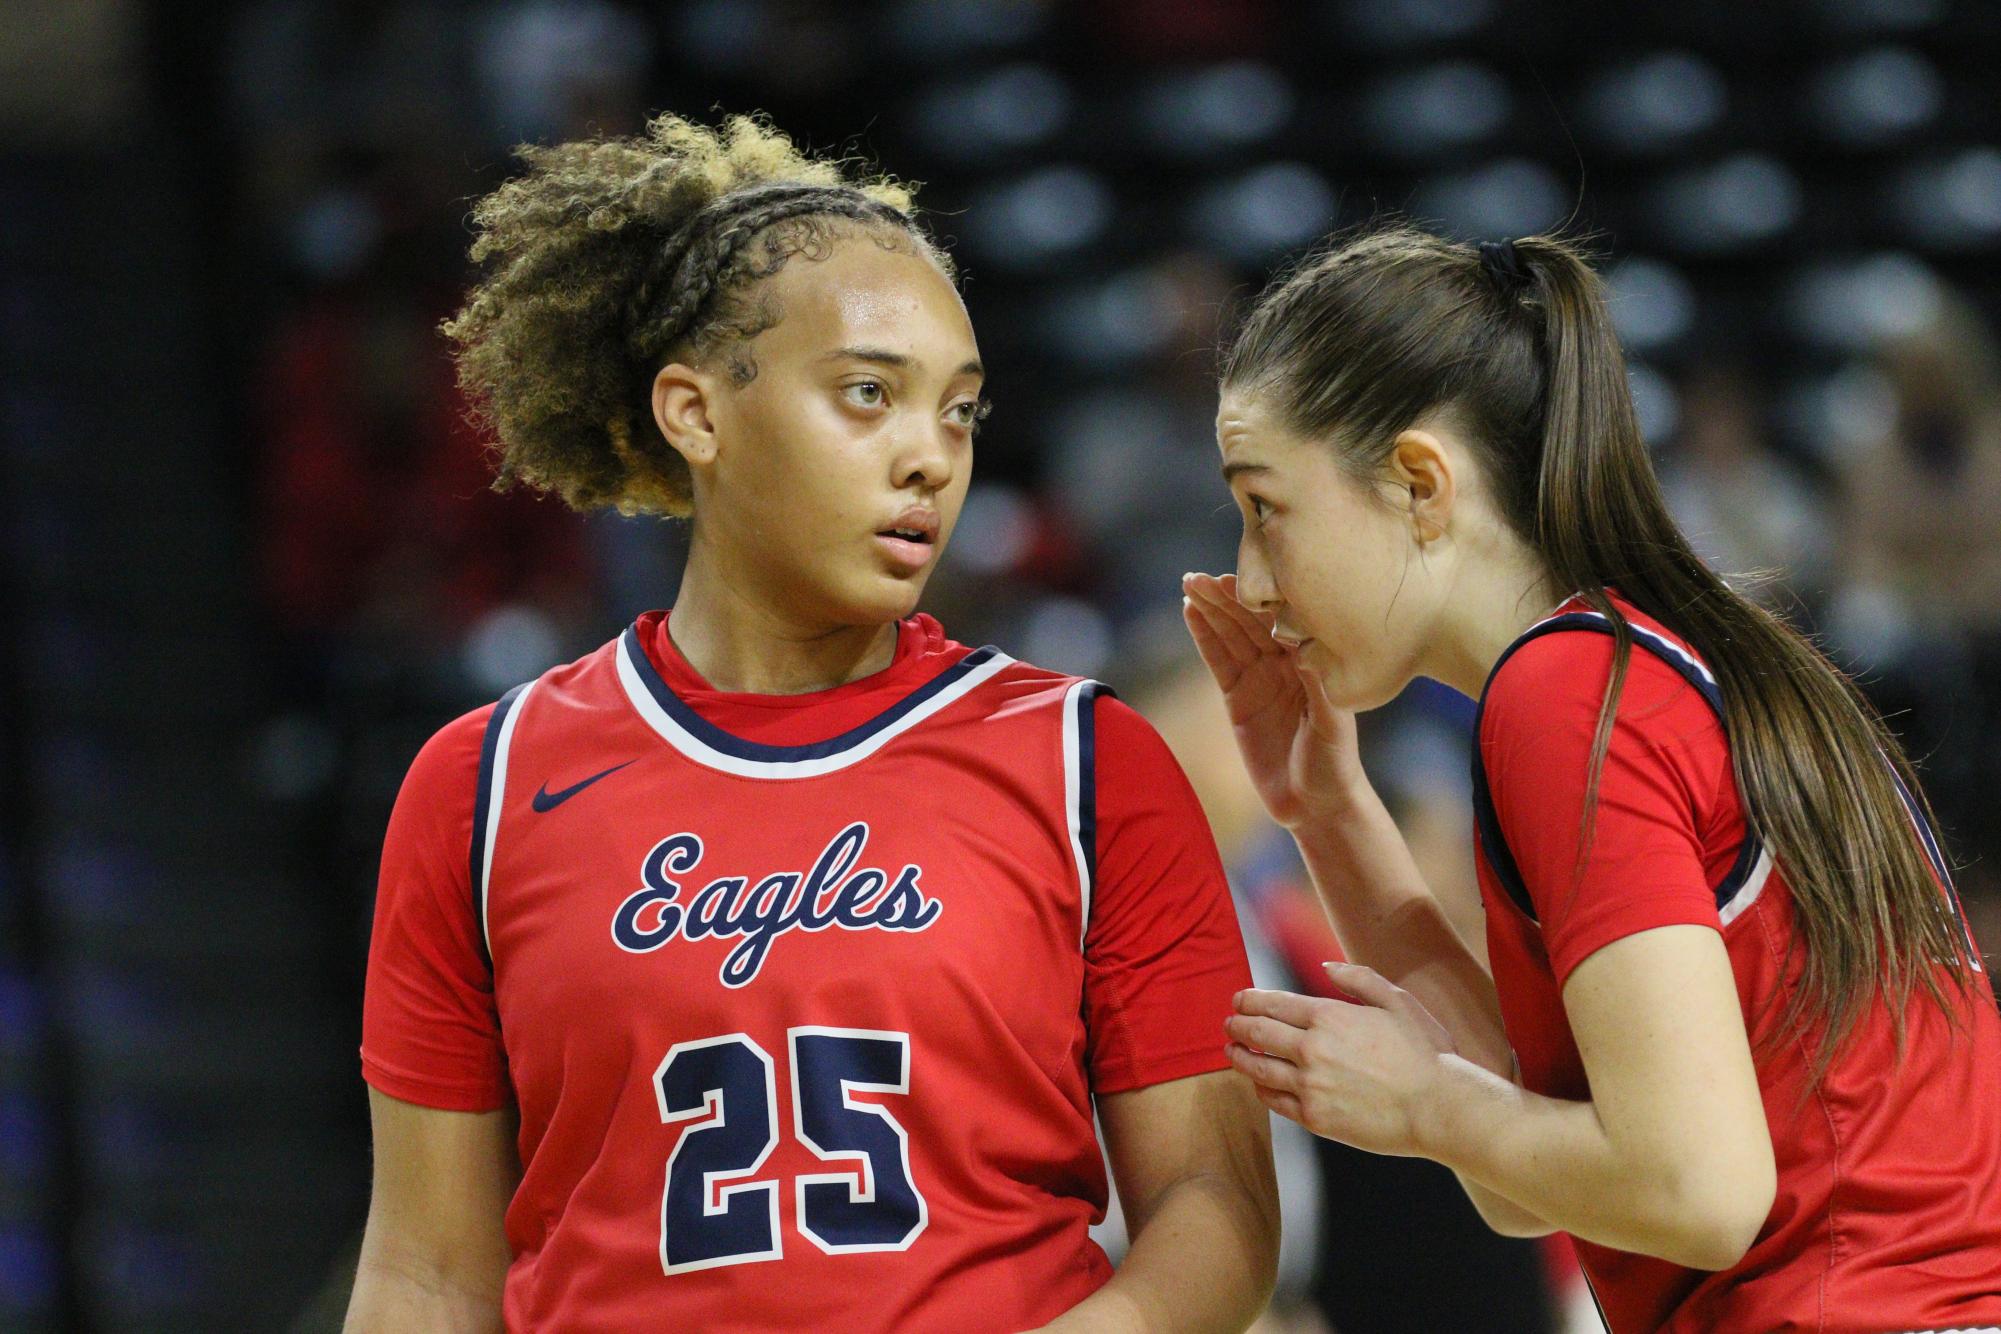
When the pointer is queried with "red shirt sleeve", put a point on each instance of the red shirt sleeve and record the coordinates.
(429, 1031)
(1163, 955)
(1665, 767)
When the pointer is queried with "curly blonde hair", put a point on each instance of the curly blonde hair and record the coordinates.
(610, 258)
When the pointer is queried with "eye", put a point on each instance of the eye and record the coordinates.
(865, 393)
(970, 414)
(1259, 509)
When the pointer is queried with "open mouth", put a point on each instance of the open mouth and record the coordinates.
(911, 542)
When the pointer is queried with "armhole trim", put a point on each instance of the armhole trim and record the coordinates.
(1940, 867)
(1741, 884)
(1080, 791)
(489, 796)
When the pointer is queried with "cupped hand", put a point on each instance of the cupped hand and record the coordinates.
(1360, 1073)
(1298, 748)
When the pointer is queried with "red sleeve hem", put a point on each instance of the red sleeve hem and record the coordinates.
(441, 1095)
(1580, 944)
(1165, 1069)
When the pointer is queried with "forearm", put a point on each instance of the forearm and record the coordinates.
(1387, 918)
(395, 1298)
(1554, 1160)
(1204, 1259)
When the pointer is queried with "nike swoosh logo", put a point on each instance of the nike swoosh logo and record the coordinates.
(545, 800)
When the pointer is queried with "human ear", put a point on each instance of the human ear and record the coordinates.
(683, 399)
(1421, 467)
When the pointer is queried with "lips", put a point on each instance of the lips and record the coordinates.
(911, 539)
(919, 523)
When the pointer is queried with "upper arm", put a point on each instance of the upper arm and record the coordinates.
(430, 1028)
(1661, 1033)
(1209, 1129)
(1646, 863)
(434, 1255)
(1163, 953)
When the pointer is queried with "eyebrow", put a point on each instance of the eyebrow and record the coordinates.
(1230, 470)
(883, 356)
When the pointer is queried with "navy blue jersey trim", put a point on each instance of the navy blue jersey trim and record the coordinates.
(1487, 825)
(717, 739)
(489, 747)
(1087, 780)
(1936, 856)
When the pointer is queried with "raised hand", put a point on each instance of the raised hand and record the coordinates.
(1298, 748)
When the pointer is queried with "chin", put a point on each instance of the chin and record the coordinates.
(1359, 696)
(879, 601)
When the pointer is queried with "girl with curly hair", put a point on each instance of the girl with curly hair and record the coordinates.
(765, 967)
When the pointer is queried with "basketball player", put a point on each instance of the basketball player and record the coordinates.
(1759, 1068)
(763, 969)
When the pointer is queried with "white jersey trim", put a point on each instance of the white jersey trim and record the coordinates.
(1075, 700)
(496, 796)
(694, 748)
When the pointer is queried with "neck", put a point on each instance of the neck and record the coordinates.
(747, 645)
(1491, 601)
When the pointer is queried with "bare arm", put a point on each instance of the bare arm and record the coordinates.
(1385, 916)
(1192, 1158)
(1302, 756)
(1671, 1157)
(434, 1253)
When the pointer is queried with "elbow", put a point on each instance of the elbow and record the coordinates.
(1514, 1223)
(1503, 1216)
(1714, 1225)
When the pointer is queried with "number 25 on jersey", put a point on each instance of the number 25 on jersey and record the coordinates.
(716, 1212)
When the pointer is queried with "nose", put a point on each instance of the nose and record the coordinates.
(924, 458)
(1256, 588)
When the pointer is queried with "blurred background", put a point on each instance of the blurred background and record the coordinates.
(251, 563)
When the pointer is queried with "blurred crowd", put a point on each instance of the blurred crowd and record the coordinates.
(1797, 214)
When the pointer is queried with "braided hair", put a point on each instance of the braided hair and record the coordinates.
(610, 258)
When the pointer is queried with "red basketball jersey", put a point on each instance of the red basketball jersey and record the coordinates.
(802, 1035)
(1888, 1210)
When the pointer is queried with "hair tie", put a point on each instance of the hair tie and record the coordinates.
(1503, 264)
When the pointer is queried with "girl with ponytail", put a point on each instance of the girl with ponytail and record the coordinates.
(1731, 1031)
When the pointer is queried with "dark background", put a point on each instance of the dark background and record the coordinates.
(250, 562)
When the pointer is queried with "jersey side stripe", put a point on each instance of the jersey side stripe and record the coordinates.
(1080, 790)
(710, 746)
(490, 792)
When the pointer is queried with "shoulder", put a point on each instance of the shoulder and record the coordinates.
(445, 771)
(457, 744)
(1125, 733)
(1556, 682)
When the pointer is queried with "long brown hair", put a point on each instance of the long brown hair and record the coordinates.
(1367, 336)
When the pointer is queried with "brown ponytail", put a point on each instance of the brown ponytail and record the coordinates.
(1367, 337)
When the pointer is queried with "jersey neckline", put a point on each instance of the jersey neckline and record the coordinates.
(664, 709)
